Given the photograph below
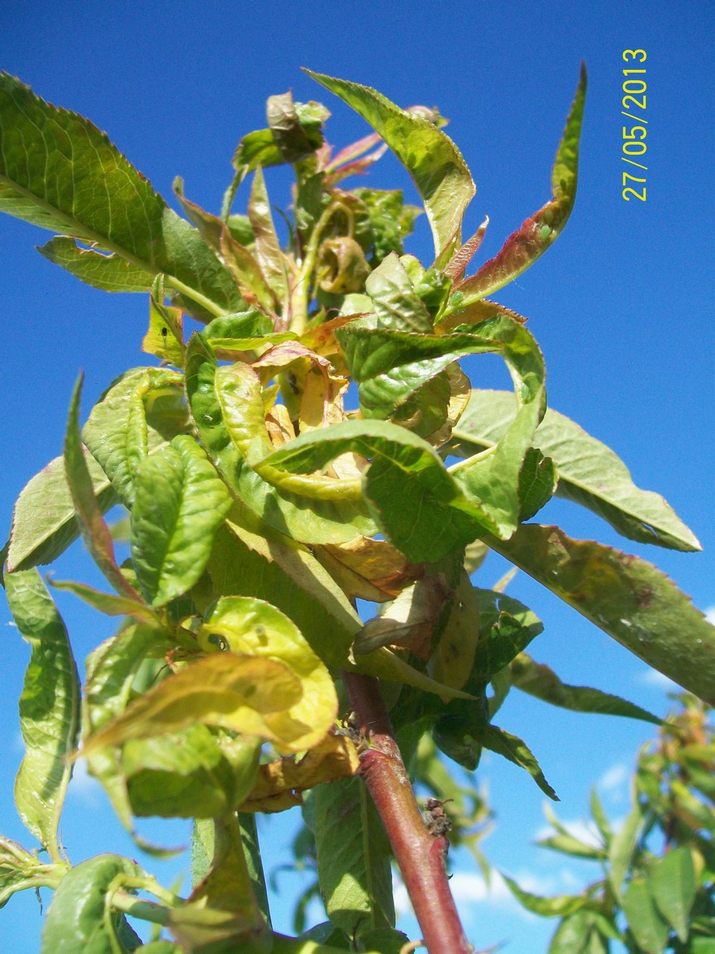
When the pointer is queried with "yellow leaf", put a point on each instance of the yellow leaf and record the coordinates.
(254, 628)
(253, 696)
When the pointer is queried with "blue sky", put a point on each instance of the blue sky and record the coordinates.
(621, 305)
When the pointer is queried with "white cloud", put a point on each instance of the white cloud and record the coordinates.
(614, 778)
(710, 614)
(655, 679)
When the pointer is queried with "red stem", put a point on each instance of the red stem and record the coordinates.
(420, 855)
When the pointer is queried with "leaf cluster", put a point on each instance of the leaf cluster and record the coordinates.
(304, 439)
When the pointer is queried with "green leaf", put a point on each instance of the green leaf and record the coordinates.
(253, 628)
(109, 603)
(77, 919)
(111, 273)
(353, 858)
(280, 570)
(44, 522)
(649, 929)
(570, 845)
(559, 906)
(58, 171)
(139, 413)
(268, 250)
(542, 682)
(211, 396)
(537, 482)
(540, 230)
(189, 774)
(584, 932)
(622, 848)
(601, 819)
(254, 863)
(515, 750)
(113, 668)
(425, 516)
(434, 162)
(625, 596)
(672, 883)
(250, 695)
(389, 366)
(19, 870)
(180, 502)
(49, 707)
(589, 473)
(396, 303)
(95, 532)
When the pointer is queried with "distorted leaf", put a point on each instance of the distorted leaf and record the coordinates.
(434, 162)
(250, 695)
(141, 411)
(453, 659)
(409, 621)
(188, 774)
(279, 783)
(165, 335)
(538, 232)
(49, 707)
(110, 272)
(257, 630)
(368, 569)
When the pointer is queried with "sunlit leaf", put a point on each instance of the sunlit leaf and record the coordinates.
(367, 569)
(583, 932)
(109, 603)
(268, 250)
(434, 162)
(255, 629)
(250, 695)
(588, 472)
(49, 707)
(515, 750)
(279, 783)
(111, 273)
(180, 501)
(19, 870)
(94, 530)
(44, 522)
(559, 906)
(58, 171)
(353, 858)
(541, 681)
(622, 847)
(76, 918)
(140, 412)
(538, 232)
(164, 337)
(309, 520)
(627, 597)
